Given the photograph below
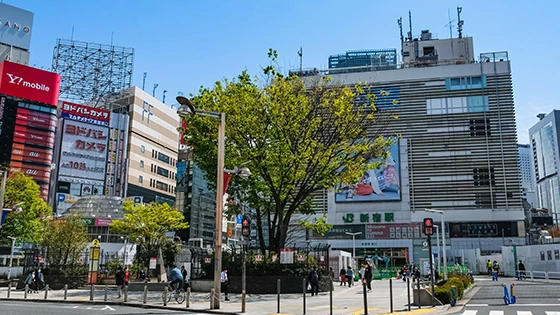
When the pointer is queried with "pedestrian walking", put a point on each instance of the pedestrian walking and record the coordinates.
(350, 276)
(314, 281)
(119, 281)
(39, 280)
(368, 275)
(489, 267)
(342, 276)
(30, 281)
(521, 271)
(224, 281)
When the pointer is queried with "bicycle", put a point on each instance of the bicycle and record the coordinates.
(178, 294)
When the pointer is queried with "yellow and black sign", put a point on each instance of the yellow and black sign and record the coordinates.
(95, 242)
(94, 253)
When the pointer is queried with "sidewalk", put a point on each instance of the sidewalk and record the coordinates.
(345, 301)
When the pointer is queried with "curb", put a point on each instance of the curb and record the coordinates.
(145, 306)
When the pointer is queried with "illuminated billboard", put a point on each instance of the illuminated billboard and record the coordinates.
(381, 184)
(83, 151)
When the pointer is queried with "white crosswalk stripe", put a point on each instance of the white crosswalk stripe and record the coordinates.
(496, 313)
(475, 312)
(524, 313)
(552, 313)
(470, 312)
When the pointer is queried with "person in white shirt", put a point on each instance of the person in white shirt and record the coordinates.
(224, 280)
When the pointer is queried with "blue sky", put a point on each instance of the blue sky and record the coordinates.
(185, 44)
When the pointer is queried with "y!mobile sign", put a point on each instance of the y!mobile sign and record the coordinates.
(83, 151)
(29, 83)
(86, 114)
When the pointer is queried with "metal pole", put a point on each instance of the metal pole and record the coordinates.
(408, 291)
(365, 299)
(188, 303)
(25, 292)
(46, 290)
(431, 269)
(243, 299)
(91, 293)
(244, 275)
(65, 292)
(331, 287)
(418, 290)
(212, 300)
(145, 294)
(444, 247)
(165, 293)
(278, 295)
(354, 251)
(105, 294)
(391, 293)
(3, 190)
(9, 289)
(126, 293)
(11, 255)
(438, 252)
(219, 208)
(304, 294)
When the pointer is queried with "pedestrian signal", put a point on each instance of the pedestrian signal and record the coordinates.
(428, 226)
(246, 226)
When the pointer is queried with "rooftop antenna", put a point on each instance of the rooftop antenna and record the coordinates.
(399, 22)
(300, 54)
(410, 25)
(72, 37)
(154, 91)
(450, 24)
(112, 33)
(144, 81)
(460, 22)
(164, 91)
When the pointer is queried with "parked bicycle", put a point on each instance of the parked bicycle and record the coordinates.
(177, 293)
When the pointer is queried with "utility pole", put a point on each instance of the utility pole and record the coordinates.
(3, 189)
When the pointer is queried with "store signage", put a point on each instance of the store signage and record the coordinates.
(38, 173)
(103, 221)
(86, 114)
(35, 119)
(20, 152)
(65, 201)
(15, 26)
(29, 83)
(83, 150)
(369, 217)
(393, 231)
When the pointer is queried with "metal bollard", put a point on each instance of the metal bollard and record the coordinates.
(165, 293)
(126, 293)
(105, 295)
(278, 295)
(91, 293)
(46, 291)
(188, 303)
(365, 299)
(9, 289)
(391, 293)
(330, 294)
(145, 298)
(25, 292)
(304, 294)
(418, 289)
(212, 298)
(408, 292)
(65, 292)
(243, 300)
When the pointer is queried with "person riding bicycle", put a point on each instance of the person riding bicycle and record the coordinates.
(175, 277)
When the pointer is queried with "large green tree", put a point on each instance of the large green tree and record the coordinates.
(29, 224)
(64, 241)
(146, 226)
(299, 136)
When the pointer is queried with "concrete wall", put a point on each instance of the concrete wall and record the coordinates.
(544, 258)
(16, 272)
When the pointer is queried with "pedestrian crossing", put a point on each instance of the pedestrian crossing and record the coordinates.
(509, 312)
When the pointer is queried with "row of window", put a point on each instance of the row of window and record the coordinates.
(465, 83)
(456, 105)
(160, 156)
(154, 183)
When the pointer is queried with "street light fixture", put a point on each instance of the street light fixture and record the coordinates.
(354, 246)
(187, 109)
(440, 212)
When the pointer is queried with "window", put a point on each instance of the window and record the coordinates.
(429, 51)
(142, 149)
(161, 185)
(483, 177)
(140, 179)
(479, 127)
(465, 83)
(164, 158)
(141, 164)
(162, 171)
(456, 105)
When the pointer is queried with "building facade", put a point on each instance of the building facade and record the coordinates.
(16, 26)
(456, 152)
(526, 173)
(544, 137)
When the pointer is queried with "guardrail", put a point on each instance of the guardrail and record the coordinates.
(537, 274)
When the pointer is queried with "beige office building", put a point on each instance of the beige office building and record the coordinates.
(153, 142)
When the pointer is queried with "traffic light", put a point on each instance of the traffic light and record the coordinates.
(428, 226)
(246, 226)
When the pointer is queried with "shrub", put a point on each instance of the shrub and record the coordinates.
(458, 284)
(443, 294)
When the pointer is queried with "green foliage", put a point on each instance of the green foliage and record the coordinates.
(65, 241)
(301, 137)
(27, 226)
(460, 287)
(443, 294)
(146, 225)
(318, 225)
(113, 264)
(461, 282)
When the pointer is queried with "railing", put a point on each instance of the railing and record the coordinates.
(537, 274)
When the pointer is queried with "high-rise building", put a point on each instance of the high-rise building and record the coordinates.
(456, 153)
(16, 26)
(544, 137)
(526, 173)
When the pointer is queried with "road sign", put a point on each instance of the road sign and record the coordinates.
(153, 262)
(239, 218)
(207, 260)
(258, 257)
(425, 244)
(95, 242)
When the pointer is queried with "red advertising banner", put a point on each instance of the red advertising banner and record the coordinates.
(35, 119)
(20, 152)
(22, 134)
(86, 114)
(29, 83)
(393, 231)
(103, 221)
(38, 173)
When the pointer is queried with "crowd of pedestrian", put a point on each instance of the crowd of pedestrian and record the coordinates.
(35, 281)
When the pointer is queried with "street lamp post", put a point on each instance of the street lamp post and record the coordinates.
(187, 109)
(440, 212)
(354, 246)
(11, 256)
(438, 252)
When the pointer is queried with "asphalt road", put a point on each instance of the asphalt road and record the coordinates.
(17, 308)
(532, 309)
